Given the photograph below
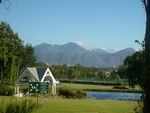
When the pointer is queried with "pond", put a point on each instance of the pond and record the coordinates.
(113, 95)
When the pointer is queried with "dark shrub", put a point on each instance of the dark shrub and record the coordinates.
(6, 90)
(25, 90)
(81, 94)
(68, 93)
(120, 87)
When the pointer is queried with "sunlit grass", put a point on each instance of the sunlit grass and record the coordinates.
(93, 87)
(86, 106)
(59, 105)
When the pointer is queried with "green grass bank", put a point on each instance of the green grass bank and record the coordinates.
(87, 87)
(59, 105)
(86, 106)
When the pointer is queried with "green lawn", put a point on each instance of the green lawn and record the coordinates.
(59, 105)
(83, 86)
(93, 87)
(86, 106)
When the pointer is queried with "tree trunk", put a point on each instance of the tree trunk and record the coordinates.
(147, 62)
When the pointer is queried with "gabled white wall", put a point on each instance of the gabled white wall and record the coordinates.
(24, 75)
(50, 75)
(47, 73)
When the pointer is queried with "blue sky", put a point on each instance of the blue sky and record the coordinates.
(107, 24)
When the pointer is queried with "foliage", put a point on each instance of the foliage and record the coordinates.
(41, 64)
(114, 75)
(68, 93)
(28, 57)
(13, 54)
(24, 106)
(73, 73)
(138, 108)
(122, 72)
(81, 72)
(6, 90)
(146, 75)
(10, 46)
(134, 68)
(56, 70)
(135, 72)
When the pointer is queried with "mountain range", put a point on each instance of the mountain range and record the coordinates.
(71, 54)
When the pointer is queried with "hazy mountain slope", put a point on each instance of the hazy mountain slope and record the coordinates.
(72, 53)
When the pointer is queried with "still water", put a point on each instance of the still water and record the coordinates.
(113, 95)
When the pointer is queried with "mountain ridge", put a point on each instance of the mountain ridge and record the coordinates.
(71, 54)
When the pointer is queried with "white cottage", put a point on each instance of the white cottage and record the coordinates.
(34, 74)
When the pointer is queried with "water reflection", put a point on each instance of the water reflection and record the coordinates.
(114, 95)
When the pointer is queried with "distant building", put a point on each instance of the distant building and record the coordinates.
(107, 74)
(33, 74)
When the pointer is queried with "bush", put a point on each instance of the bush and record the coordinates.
(68, 93)
(25, 90)
(6, 90)
(119, 87)
(81, 94)
(139, 107)
(24, 106)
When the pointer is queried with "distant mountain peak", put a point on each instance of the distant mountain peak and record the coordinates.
(71, 44)
(44, 44)
(127, 50)
(98, 50)
(71, 54)
(72, 47)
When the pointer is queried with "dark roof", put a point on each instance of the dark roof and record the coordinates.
(37, 72)
(41, 72)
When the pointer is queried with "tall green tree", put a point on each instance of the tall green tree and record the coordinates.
(146, 71)
(13, 54)
(134, 69)
(28, 56)
(10, 50)
(73, 73)
(146, 4)
(56, 69)
(122, 71)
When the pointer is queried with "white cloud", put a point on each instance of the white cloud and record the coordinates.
(115, 49)
(82, 44)
(112, 50)
(103, 48)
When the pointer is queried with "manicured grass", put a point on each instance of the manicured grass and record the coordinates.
(86, 106)
(58, 105)
(82, 86)
(87, 87)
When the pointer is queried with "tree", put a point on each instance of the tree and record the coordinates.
(73, 73)
(114, 75)
(41, 64)
(122, 72)
(56, 70)
(134, 69)
(146, 4)
(10, 52)
(101, 75)
(13, 54)
(28, 56)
